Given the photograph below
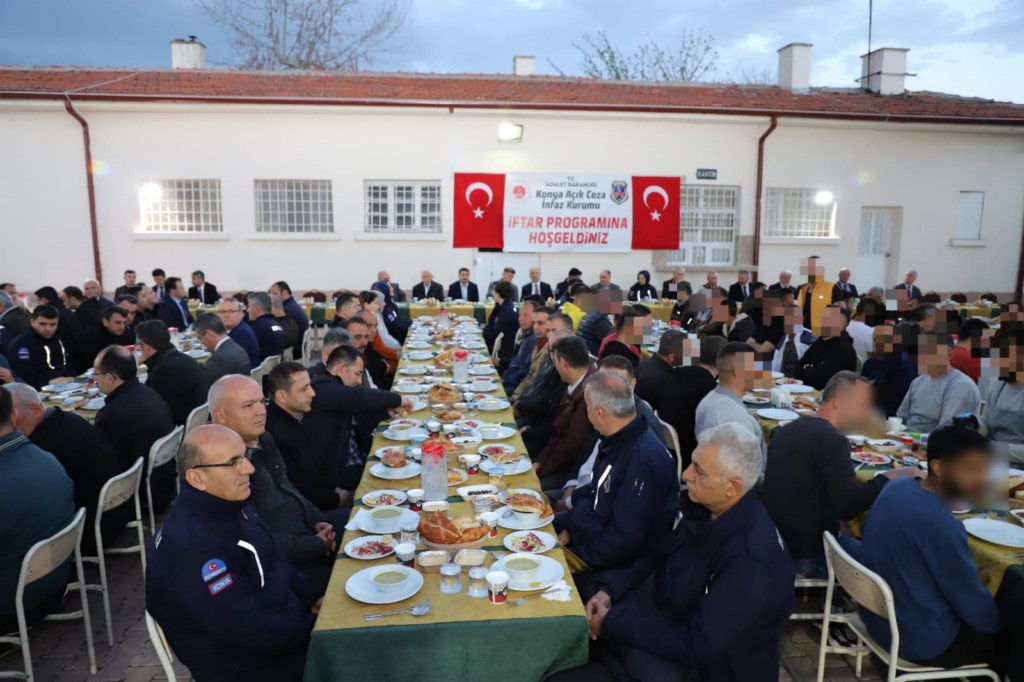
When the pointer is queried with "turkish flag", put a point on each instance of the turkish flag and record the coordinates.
(656, 212)
(479, 210)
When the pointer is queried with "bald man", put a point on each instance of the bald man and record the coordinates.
(93, 304)
(232, 607)
(427, 288)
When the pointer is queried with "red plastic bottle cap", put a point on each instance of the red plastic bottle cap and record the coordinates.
(434, 451)
(461, 354)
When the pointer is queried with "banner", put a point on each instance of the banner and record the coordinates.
(562, 212)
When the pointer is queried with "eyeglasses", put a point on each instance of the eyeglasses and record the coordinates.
(235, 463)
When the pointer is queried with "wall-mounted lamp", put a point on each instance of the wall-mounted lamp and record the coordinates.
(824, 198)
(510, 132)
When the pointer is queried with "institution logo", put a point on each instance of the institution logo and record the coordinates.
(620, 191)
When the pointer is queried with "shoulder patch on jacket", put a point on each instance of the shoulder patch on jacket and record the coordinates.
(221, 585)
(213, 568)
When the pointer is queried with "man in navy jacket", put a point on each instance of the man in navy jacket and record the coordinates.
(504, 320)
(232, 607)
(269, 334)
(715, 595)
(632, 497)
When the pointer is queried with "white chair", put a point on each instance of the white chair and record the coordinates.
(673, 438)
(163, 451)
(117, 491)
(42, 559)
(872, 593)
(307, 346)
(162, 648)
(268, 364)
(806, 584)
(496, 348)
(197, 417)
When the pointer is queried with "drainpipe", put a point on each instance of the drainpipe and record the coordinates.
(90, 187)
(760, 188)
(1018, 293)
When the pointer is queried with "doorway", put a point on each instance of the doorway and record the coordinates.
(878, 250)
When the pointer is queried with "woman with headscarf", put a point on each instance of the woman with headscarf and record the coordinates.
(643, 288)
(396, 326)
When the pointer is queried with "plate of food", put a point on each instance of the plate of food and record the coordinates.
(752, 399)
(438, 531)
(889, 445)
(419, 355)
(387, 584)
(524, 512)
(513, 468)
(370, 547)
(407, 422)
(495, 450)
(777, 415)
(456, 476)
(418, 345)
(496, 432)
(382, 470)
(447, 415)
(406, 386)
(468, 492)
(530, 572)
(787, 381)
(466, 439)
(443, 392)
(414, 371)
(384, 498)
(482, 370)
(403, 432)
(469, 423)
(392, 457)
(60, 388)
(198, 353)
(530, 541)
(996, 532)
(450, 448)
(870, 458)
(493, 405)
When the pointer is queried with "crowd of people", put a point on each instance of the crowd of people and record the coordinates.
(695, 584)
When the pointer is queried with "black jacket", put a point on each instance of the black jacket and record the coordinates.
(670, 289)
(90, 461)
(736, 291)
(312, 470)
(89, 343)
(652, 376)
(210, 293)
(455, 291)
(179, 380)
(16, 321)
(545, 291)
(742, 329)
(638, 292)
(173, 315)
(824, 359)
(840, 292)
(292, 335)
(233, 608)
(69, 326)
(810, 485)
(503, 320)
(682, 394)
(435, 291)
(269, 336)
(91, 309)
(37, 360)
(592, 329)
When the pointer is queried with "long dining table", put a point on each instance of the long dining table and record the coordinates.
(460, 638)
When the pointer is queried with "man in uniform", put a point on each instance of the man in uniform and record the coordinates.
(232, 607)
(269, 334)
(37, 355)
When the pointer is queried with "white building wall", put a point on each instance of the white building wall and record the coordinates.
(44, 191)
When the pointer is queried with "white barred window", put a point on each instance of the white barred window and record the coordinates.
(176, 206)
(707, 226)
(403, 206)
(294, 206)
(801, 213)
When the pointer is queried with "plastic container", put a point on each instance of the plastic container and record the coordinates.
(435, 473)
(460, 366)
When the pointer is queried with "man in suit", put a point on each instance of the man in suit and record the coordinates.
(172, 310)
(464, 290)
(604, 281)
(227, 357)
(202, 290)
(844, 287)
(913, 292)
(536, 287)
(93, 304)
(175, 376)
(128, 286)
(159, 284)
(507, 275)
(784, 283)
(670, 287)
(712, 285)
(428, 288)
(743, 288)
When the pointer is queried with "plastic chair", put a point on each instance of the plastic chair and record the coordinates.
(307, 346)
(497, 347)
(265, 366)
(198, 417)
(162, 648)
(42, 559)
(162, 451)
(805, 584)
(673, 438)
(117, 491)
(870, 591)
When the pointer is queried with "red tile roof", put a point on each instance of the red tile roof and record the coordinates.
(494, 91)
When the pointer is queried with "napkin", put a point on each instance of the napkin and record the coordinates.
(353, 521)
(560, 591)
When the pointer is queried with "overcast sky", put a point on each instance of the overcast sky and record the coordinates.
(965, 47)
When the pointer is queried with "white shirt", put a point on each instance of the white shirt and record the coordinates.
(535, 288)
(862, 339)
(220, 343)
(465, 291)
(801, 347)
(572, 387)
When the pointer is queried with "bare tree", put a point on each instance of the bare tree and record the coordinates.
(693, 58)
(751, 75)
(308, 34)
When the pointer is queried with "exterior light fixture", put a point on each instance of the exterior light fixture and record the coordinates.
(510, 132)
(151, 191)
(824, 198)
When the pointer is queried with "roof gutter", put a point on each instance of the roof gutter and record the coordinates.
(756, 260)
(90, 187)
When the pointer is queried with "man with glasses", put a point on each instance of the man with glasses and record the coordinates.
(345, 308)
(232, 314)
(300, 531)
(232, 606)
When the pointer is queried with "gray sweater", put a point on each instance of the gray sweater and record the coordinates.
(1003, 420)
(932, 402)
(722, 405)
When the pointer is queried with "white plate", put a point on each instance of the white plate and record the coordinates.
(370, 499)
(59, 388)
(996, 532)
(418, 345)
(406, 387)
(752, 399)
(547, 538)
(361, 589)
(95, 404)
(777, 375)
(798, 388)
(421, 355)
(408, 471)
(404, 435)
(198, 353)
(788, 382)
(494, 387)
(885, 444)
(484, 488)
(519, 467)
(474, 345)
(501, 433)
(413, 371)
(365, 523)
(463, 474)
(482, 370)
(513, 522)
(470, 423)
(1014, 472)
(379, 452)
(776, 414)
(505, 447)
(353, 544)
(418, 404)
(415, 423)
(471, 439)
(549, 573)
(497, 406)
(870, 458)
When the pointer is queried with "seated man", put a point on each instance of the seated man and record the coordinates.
(345, 308)
(737, 375)
(292, 308)
(809, 484)
(544, 319)
(655, 373)
(507, 275)
(226, 356)
(292, 335)
(38, 355)
(177, 377)
(464, 290)
(377, 352)
(520, 364)
(790, 347)
(269, 335)
(87, 457)
(632, 497)
(69, 327)
(93, 303)
(201, 290)
(1003, 419)
(946, 616)
(232, 607)
(832, 353)
(687, 387)
(300, 531)
(427, 288)
(712, 598)
(940, 392)
(37, 496)
(232, 314)
(594, 326)
(570, 426)
(333, 337)
(172, 310)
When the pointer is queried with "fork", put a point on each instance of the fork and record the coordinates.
(416, 610)
(522, 600)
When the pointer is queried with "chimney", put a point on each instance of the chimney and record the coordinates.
(188, 54)
(884, 71)
(795, 67)
(523, 66)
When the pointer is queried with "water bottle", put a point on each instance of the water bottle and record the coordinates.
(460, 366)
(435, 473)
(175, 340)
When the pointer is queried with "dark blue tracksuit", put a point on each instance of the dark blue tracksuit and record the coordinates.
(37, 360)
(721, 594)
(269, 336)
(233, 609)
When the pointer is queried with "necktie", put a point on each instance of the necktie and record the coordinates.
(789, 358)
(745, 291)
(202, 297)
(184, 313)
(536, 289)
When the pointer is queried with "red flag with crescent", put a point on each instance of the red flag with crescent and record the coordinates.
(656, 212)
(479, 211)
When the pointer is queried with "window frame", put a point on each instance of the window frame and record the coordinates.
(413, 207)
(775, 220)
(295, 214)
(208, 206)
(692, 219)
